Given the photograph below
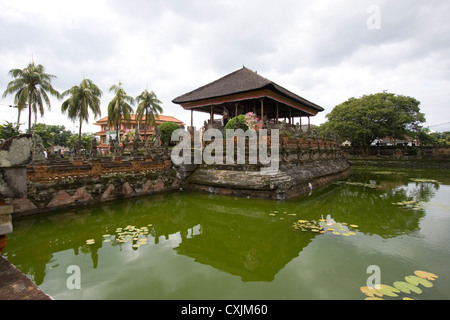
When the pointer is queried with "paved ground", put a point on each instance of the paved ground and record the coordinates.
(14, 285)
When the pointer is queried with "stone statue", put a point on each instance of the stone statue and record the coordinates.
(136, 142)
(93, 153)
(283, 126)
(114, 146)
(157, 140)
(37, 151)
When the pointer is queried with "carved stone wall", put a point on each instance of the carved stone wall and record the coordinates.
(52, 186)
(304, 163)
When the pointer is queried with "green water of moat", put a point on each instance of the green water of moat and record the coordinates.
(198, 246)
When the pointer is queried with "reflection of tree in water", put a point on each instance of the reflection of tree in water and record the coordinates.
(37, 238)
(422, 191)
(372, 209)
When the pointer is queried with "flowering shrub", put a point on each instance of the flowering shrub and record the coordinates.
(252, 121)
(129, 135)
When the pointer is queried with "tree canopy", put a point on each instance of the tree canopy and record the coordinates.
(86, 140)
(52, 135)
(82, 98)
(8, 130)
(166, 129)
(361, 121)
(31, 87)
(119, 107)
(150, 106)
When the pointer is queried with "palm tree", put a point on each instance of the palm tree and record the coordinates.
(149, 105)
(119, 107)
(82, 98)
(31, 86)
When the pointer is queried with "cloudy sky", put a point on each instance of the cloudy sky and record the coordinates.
(324, 51)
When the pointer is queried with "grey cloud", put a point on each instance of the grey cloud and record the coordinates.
(172, 44)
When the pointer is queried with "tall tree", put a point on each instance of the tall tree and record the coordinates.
(150, 106)
(371, 117)
(119, 108)
(31, 87)
(82, 98)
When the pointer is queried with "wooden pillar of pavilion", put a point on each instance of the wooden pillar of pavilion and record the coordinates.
(277, 114)
(262, 108)
(211, 116)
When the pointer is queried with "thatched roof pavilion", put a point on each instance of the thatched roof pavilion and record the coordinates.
(245, 91)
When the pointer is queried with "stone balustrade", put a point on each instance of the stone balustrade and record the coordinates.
(48, 172)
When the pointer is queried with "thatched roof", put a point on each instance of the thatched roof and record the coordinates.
(240, 81)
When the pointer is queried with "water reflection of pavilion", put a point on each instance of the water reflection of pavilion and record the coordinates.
(247, 244)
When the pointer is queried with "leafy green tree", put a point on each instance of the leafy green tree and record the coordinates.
(8, 130)
(363, 120)
(52, 135)
(82, 98)
(60, 135)
(47, 135)
(166, 129)
(425, 137)
(119, 108)
(86, 140)
(31, 87)
(150, 106)
(442, 138)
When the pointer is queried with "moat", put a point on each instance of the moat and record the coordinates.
(185, 245)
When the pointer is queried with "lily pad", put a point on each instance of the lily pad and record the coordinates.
(388, 290)
(371, 292)
(415, 280)
(305, 225)
(407, 287)
(425, 275)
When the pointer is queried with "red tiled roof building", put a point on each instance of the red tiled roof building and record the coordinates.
(106, 132)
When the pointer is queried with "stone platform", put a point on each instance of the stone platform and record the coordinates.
(14, 285)
(291, 180)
